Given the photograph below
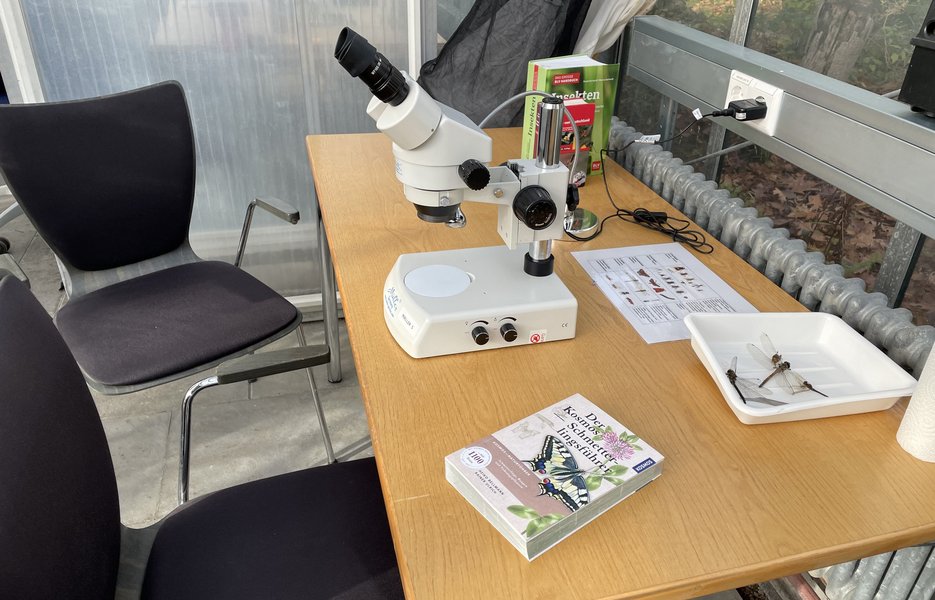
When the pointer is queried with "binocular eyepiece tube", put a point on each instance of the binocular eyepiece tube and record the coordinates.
(361, 59)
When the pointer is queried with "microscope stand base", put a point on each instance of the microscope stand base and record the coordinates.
(455, 301)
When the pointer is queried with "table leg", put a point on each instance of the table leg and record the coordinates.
(329, 303)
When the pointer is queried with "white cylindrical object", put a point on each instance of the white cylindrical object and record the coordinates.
(411, 123)
(917, 431)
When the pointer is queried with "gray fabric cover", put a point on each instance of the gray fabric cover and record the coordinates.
(318, 533)
(170, 321)
(107, 181)
(493, 45)
(59, 517)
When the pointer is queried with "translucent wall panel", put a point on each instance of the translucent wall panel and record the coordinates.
(336, 102)
(259, 75)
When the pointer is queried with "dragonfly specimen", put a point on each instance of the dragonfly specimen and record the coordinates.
(747, 389)
(798, 384)
(769, 358)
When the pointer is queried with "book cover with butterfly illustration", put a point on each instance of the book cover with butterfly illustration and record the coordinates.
(540, 479)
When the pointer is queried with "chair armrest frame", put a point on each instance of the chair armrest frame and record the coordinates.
(251, 366)
(186, 433)
(274, 206)
(262, 364)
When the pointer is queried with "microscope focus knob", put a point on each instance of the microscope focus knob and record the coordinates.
(534, 206)
(474, 173)
(508, 331)
(480, 335)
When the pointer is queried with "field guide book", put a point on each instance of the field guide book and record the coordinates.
(541, 479)
(589, 89)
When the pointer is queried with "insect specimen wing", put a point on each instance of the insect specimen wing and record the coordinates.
(770, 349)
(769, 401)
(800, 385)
(762, 359)
(786, 379)
(750, 389)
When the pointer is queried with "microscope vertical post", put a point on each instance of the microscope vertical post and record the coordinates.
(548, 152)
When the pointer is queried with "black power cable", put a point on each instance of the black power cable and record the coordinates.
(677, 229)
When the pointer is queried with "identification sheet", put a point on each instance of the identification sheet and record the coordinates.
(655, 286)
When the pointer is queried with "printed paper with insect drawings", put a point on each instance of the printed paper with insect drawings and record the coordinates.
(655, 286)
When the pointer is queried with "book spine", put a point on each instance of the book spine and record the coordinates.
(528, 146)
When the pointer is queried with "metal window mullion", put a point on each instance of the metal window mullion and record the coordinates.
(902, 254)
(621, 54)
(668, 110)
(422, 17)
(744, 12)
(17, 57)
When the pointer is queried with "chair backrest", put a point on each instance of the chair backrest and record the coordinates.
(59, 513)
(107, 181)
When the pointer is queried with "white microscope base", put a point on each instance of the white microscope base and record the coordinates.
(460, 290)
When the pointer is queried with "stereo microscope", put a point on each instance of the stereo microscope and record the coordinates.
(448, 302)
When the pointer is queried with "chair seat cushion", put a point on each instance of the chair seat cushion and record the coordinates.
(317, 533)
(170, 321)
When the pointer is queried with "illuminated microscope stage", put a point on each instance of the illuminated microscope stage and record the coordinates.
(455, 301)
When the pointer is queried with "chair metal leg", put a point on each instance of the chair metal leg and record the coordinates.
(11, 212)
(325, 437)
(329, 302)
(185, 448)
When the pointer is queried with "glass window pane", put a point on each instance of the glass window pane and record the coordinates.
(639, 105)
(694, 142)
(847, 230)
(861, 42)
(709, 16)
(450, 15)
(921, 290)
(642, 108)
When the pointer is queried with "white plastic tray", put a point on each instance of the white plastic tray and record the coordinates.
(825, 350)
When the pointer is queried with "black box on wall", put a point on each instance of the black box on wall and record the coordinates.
(919, 85)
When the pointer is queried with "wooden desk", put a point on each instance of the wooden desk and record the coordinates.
(736, 504)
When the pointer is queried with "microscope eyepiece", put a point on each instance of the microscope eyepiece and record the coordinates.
(361, 59)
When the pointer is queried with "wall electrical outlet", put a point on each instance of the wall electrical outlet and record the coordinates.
(742, 86)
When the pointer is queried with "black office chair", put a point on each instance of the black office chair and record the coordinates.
(109, 184)
(317, 533)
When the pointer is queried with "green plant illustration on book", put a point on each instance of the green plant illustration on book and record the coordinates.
(537, 522)
(620, 447)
